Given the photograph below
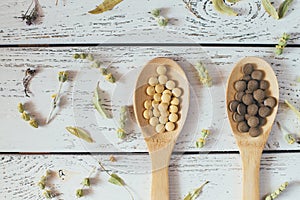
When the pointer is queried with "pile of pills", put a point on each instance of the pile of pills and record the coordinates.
(251, 105)
(162, 109)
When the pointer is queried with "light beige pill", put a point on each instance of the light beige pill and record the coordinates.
(173, 109)
(147, 114)
(166, 98)
(157, 97)
(160, 128)
(167, 92)
(162, 107)
(153, 81)
(153, 121)
(150, 90)
(170, 84)
(161, 70)
(159, 88)
(173, 117)
(170, 126)
(147, 104)
(163, 119)
(162, 79)
(156, 113)
(176, 92)
(165, 113)
(155, 104)
(175, 101)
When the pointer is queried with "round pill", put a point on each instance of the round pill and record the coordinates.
(240, 86)
(262, 121)
(167, 92)
(233, 106)
(163, 119)
(170, 126)
(239, 95)
(166, 98)
(170, 85)
(156, 113)
(160, 128)
(270, 101)
(162, 107)
(157, 97)
(247, 99)
(257, 74)
(173, 117)
(253, 121)
(241, 109)
(243, 127)
(247, 116)
(147, 104)
(155, 104)
(247, 69)
(153, 81)
(164, 113)
(237, 117)
(147, 114)
(264, 111)
(252, 85)
(161, 70)
(175, 101)
(254, 132)
(259, 95)
(173, 109)
(150, 90)
(264, 84)
(162, 79)
(252, 109)
(159, 88)
(153, 121)
(176, 92)
(246, 78)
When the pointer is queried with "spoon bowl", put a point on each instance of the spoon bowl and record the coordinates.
(160, 145)
(251, 147)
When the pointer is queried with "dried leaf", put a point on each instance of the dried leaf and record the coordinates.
(115, 179)
(269, 8)
(78, 132)
(194, 194)
(283, 8)
(97, 102)
(221, 7)
(204, 76)
(105, 6)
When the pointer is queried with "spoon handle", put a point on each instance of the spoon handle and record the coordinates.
(160, 184)
(251, 165)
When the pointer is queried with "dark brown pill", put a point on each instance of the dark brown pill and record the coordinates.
(257, 75)
(270, 101)
(247, 116)
(240, 86)
(243, 127)
(246, 78)
(264, 111)
(241, 109)
(237, 117)
(252, 85)
(252, 109)
(239, 95)
(259, 95)
(233, 106)
(248, 91)
(247, 69)
(247, 99)
(253, 121)
(262, 121)
(254, 132)
(264, 84)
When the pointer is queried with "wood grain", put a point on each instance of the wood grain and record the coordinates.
(209, 106)
(131, 22)
(20, 173)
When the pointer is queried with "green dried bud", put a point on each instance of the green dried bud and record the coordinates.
(63, 76)
(96, 64)
(103, 71)
(41, 184)
(200, 143)
(90, 57)
(109, 77)
(34, 123)
(25, 116)
(20, 107)
(76, 56)
(278, 51)
(162, 21)
(43, 178)
(86, 182)
(290, 138)
(79, 193)
(155, 12)
(121, 133)
(83, 56)
(286, 36)
(48, 194)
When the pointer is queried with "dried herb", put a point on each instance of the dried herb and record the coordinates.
(277, 192)
(155, 12)
(62, 78)
(287, 136)
(97, 102)
(282, 44)
(26, 116)
(162, 21)
(79, 193)
(86, 182)
(116, 180)
(105, 6)
(283, 8)
(204, 76)
(221, 7)
(112, 159)
(80, 133)
(194, 194)
(108, 76)
(202, 140)
(292, 108)
(270, 9)
(42, 185)
(29, 73)
(34, 13)
(122, 121)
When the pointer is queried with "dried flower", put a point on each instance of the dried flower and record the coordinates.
(201, 141)
(34, 123)
(20, 108)
(34, 13)
(162, 21)
(282, 44)
(96, 64)
(204, 76)
(48, 194)
(76, 56)
(194, 194)
(112, 158)
(79, 193)
(86, 182)
(277, 192)
(155, 12)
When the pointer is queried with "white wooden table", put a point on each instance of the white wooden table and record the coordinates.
(128, 37)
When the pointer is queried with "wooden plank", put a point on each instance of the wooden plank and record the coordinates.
(207, 104)
(130, 22)
(20, 174)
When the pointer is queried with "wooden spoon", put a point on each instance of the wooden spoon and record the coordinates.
(160, 145)
(251, 147)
